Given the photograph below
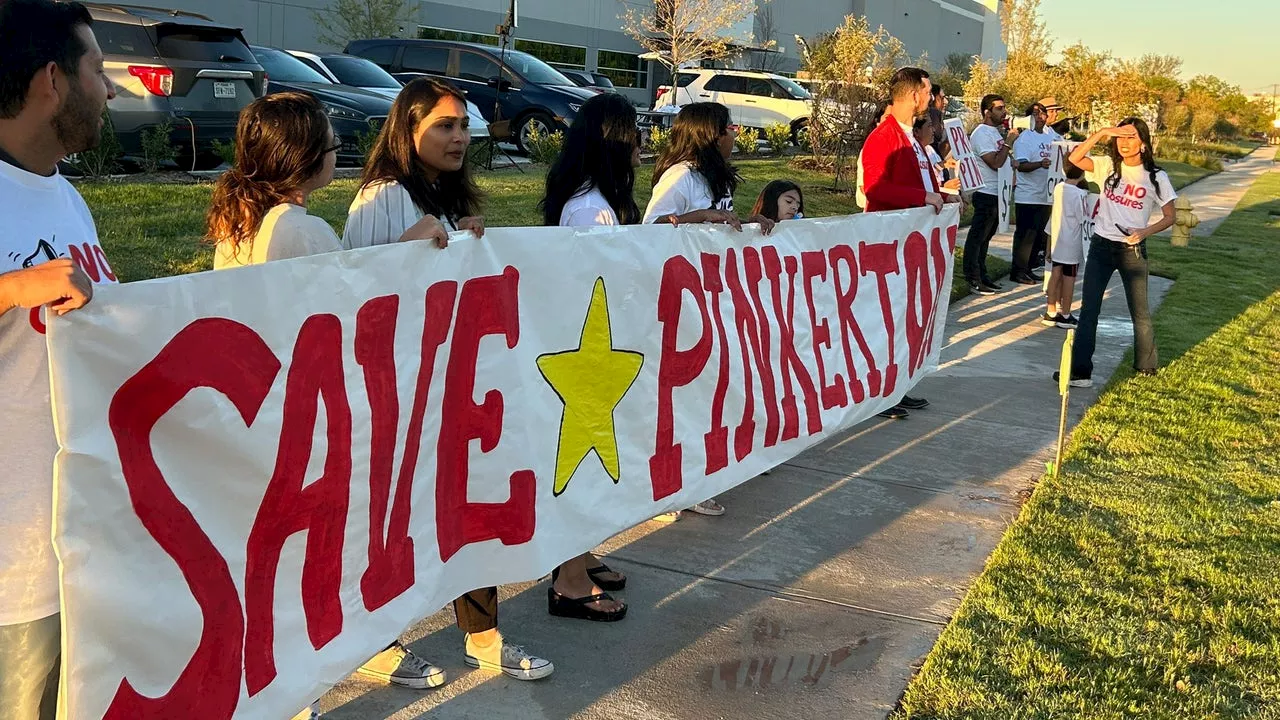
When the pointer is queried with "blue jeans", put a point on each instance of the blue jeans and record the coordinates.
(1105, 258)
(29, 656)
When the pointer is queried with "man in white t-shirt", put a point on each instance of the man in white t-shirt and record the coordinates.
(993, 149)
(53, 91)
(1031, 155)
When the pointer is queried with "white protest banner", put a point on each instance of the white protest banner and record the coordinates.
(1005, 178)
(969, 170)
(267, 474)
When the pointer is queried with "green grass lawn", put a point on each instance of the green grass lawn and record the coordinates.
(154, 230)
(1144, 580)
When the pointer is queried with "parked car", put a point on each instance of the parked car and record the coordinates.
(179, 68)
(530, 94)
(754, 99)
(353, 71)
(590, 80)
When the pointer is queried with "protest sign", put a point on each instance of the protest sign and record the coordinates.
(1005, 179)
(267, 474)
(969, 170)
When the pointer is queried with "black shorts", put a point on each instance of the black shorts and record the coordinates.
(1067, 270)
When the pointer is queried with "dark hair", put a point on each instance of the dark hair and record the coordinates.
(989, 100)
(906, 81)
(596, 154)
(695, 138)
(1072, 170)
(1031, 109)
(936, 91)
(34, 33)
(394, 157)
(767, 203)
(1148, 157)
(921, 122)
(281, 143)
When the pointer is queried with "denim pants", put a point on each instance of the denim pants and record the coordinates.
(29, 656)
(986, 217)
(1106, 257)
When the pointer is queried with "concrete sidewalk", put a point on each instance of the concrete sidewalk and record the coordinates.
(827, 582)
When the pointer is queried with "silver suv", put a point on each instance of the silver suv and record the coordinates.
(180, 68)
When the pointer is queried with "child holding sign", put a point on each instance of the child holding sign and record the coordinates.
(1066, 247)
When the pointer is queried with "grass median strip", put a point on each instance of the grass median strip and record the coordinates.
(1142, 582)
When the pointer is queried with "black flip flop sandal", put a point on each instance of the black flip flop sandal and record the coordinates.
(576, 608)
(606, 585)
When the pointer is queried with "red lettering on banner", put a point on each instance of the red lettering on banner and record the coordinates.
(391, 567)
(789, 358)
(753, 340)
(849, 324)
(915, 253)
(486, 306)
(319, 508)
(940, 255)
(37, 323)
(716, 439)
(233, 360)
(814, 264)
(881, 259)
(676, 368)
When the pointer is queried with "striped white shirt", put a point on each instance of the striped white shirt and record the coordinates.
(380, 214)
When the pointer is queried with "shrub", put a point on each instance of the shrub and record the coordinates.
(659, 140)
(156, 146)
(1192, 157)
(364, 143)
(777, 135)
(543, 149)
(746, 141)
(226, 151)
(102, 160)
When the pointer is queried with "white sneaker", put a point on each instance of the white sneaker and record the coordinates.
(708, 507)
(512, 660)
(399, 666)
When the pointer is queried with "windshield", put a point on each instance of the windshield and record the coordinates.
(796, 90)
(283, 67)
(359, 72)
(534, 70)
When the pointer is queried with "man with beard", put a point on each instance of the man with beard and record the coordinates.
(899, 174)
(53, 90)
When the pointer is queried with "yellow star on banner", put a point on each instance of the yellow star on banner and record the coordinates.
(590, 381)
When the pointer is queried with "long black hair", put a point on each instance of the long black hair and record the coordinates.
(596, 154)
(394, 156)
(1148, 156)
(767, 203)
(695, 138)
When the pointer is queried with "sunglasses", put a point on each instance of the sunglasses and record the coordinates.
(337, 145)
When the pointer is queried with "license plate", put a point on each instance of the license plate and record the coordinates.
(224, 90)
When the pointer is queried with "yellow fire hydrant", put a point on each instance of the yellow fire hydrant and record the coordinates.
(1183, 221)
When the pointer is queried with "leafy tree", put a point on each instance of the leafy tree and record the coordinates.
(347, 20)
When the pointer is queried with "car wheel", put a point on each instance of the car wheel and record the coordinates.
(800, 133)
(534, 121)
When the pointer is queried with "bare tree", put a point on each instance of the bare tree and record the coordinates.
(681, 32)
(767, 33)
(348, 20)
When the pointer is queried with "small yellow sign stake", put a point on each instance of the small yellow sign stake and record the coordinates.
(1064, 389)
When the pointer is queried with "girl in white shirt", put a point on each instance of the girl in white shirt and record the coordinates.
(592, 183)
(693, 181)
(1133, 188)
(415, 183)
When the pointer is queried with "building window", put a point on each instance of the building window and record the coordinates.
(624, 69)
(566, 56)
(433, 33)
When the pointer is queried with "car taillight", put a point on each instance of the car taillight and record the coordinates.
(157, 80)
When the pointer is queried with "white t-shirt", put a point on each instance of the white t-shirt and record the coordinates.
(1033, 187)
(287, 231)
(987, 139)
(680, 190)
(379, 215)
(1067, 224)
(587, 208)
(1131, 204)
(935, 162)
(44, 218)
(922, 159)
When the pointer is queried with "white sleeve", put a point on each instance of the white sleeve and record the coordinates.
(379, 215)
(1167, 194)
(587, 216)
(309, 236)
(1101, 170)
(670, 195)
(984, 142)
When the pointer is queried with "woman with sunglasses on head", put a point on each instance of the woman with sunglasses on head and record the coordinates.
(416, 185)
(591, 183)
(693, 181)
(1133, 188)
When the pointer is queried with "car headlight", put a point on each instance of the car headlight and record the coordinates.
(576, 107)
(346, 113)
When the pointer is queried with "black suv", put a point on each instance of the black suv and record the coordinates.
(176, 67)
(534, 94)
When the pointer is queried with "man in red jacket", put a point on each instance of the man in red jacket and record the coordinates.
(897, 172)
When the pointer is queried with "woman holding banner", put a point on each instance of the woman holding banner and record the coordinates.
(591, 183)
